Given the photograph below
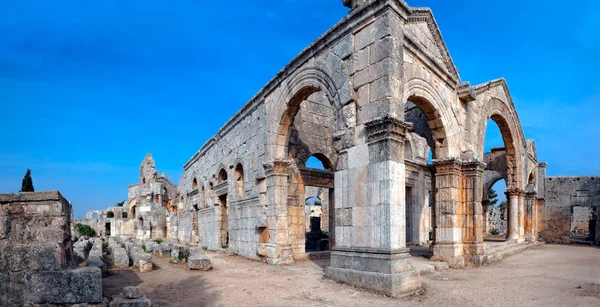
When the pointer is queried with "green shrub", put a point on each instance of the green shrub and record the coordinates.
(495, 232)
(85, 230)
(204, 248)
(144, 247)
(123, 245)
(105, 245)
(158, 241)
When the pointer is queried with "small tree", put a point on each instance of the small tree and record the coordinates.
(27, 183)
(85, 230)
(502, 208)
(120, 204)
(493, 197)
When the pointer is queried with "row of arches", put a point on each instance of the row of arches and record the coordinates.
(221, 178)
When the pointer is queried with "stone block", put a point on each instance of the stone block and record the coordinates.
(120, 258)
(179, 253)
(132, 292)
(136, 254)
(81, 285)
(145, 266)
(33, 257)
(99, 264)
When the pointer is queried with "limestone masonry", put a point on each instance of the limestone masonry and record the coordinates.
(379, 102)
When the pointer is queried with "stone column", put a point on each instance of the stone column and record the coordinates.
(448, 238)
(485, 206)
(370, 220)
(530, 217)
(279, 248)
(521, 216)
(512, 229)
(472, 231)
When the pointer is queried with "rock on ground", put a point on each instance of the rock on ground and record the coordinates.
(145, 266)
(198, 260)
(120, 258)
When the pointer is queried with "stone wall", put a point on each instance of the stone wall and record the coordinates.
(36, 253)
(567, 200)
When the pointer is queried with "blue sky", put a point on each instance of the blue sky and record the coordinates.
(87, 88)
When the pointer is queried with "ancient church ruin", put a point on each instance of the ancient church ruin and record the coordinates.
(400, 136)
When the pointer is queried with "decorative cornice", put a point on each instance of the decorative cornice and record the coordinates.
(277, 167)
(221, 188)
(387, 128)
(465, 92)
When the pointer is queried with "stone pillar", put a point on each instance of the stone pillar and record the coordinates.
(472, 230)
(485, 206)
(512, 229)
(370, 210)
(448, 238)
(279, 248)
(521, 216)
(530, 217)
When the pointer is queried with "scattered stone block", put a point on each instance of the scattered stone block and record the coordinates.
(99, 264)
(132, 292)
(120, 258)
(145, 266)
(64, 287)
(198, 260)
(136, 254)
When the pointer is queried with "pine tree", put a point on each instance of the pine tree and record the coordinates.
(27, 184)
(493, 197)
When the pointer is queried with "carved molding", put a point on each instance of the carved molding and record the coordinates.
(387, 128)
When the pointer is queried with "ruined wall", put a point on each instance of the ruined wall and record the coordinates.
(568, 202)
(36, 253)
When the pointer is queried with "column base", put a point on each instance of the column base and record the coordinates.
(473, 254)
(451, 253)
(388, 271)
(277, 254)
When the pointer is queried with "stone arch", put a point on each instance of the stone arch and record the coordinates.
(429, 101)
(324, 159)
(498, 111)
(222, 175)
(300, 86)
(239, 180)
(194, 183)
(495, 176)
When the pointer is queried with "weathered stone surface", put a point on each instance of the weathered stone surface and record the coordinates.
(199, 262)
(99, 264)
(145, 265)
(136, 254)
(120, 258)
(132, 292)
(64, 287)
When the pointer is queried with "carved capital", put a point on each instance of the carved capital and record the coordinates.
(514, 192)
(387, 128)
(451, 165)
(277, 167)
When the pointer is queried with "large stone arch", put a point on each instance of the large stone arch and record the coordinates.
(422, 94)
(505, 117)
(300, 86)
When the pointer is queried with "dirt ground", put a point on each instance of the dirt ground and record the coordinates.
(549, 275)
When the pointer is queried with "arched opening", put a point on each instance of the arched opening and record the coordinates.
(203, 197)
(95, 216)
(531, 179)
(307, 128)
(211, 193)
(110, 215)
(425, 140)
(194, 184)
(496, 210)
(500, 158)
(222, 175)
(132, 213)
(239, 180)
(318, 161)
(224, 220)
(140, 223)
(143, 180)
(124, 215)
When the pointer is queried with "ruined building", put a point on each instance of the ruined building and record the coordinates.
(400, 136)
(369, 99)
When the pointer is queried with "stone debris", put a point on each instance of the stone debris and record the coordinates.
(145, 266)
(131, 297)
(120, 258)
(137, 253)
(179, 253)
(198, 260)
